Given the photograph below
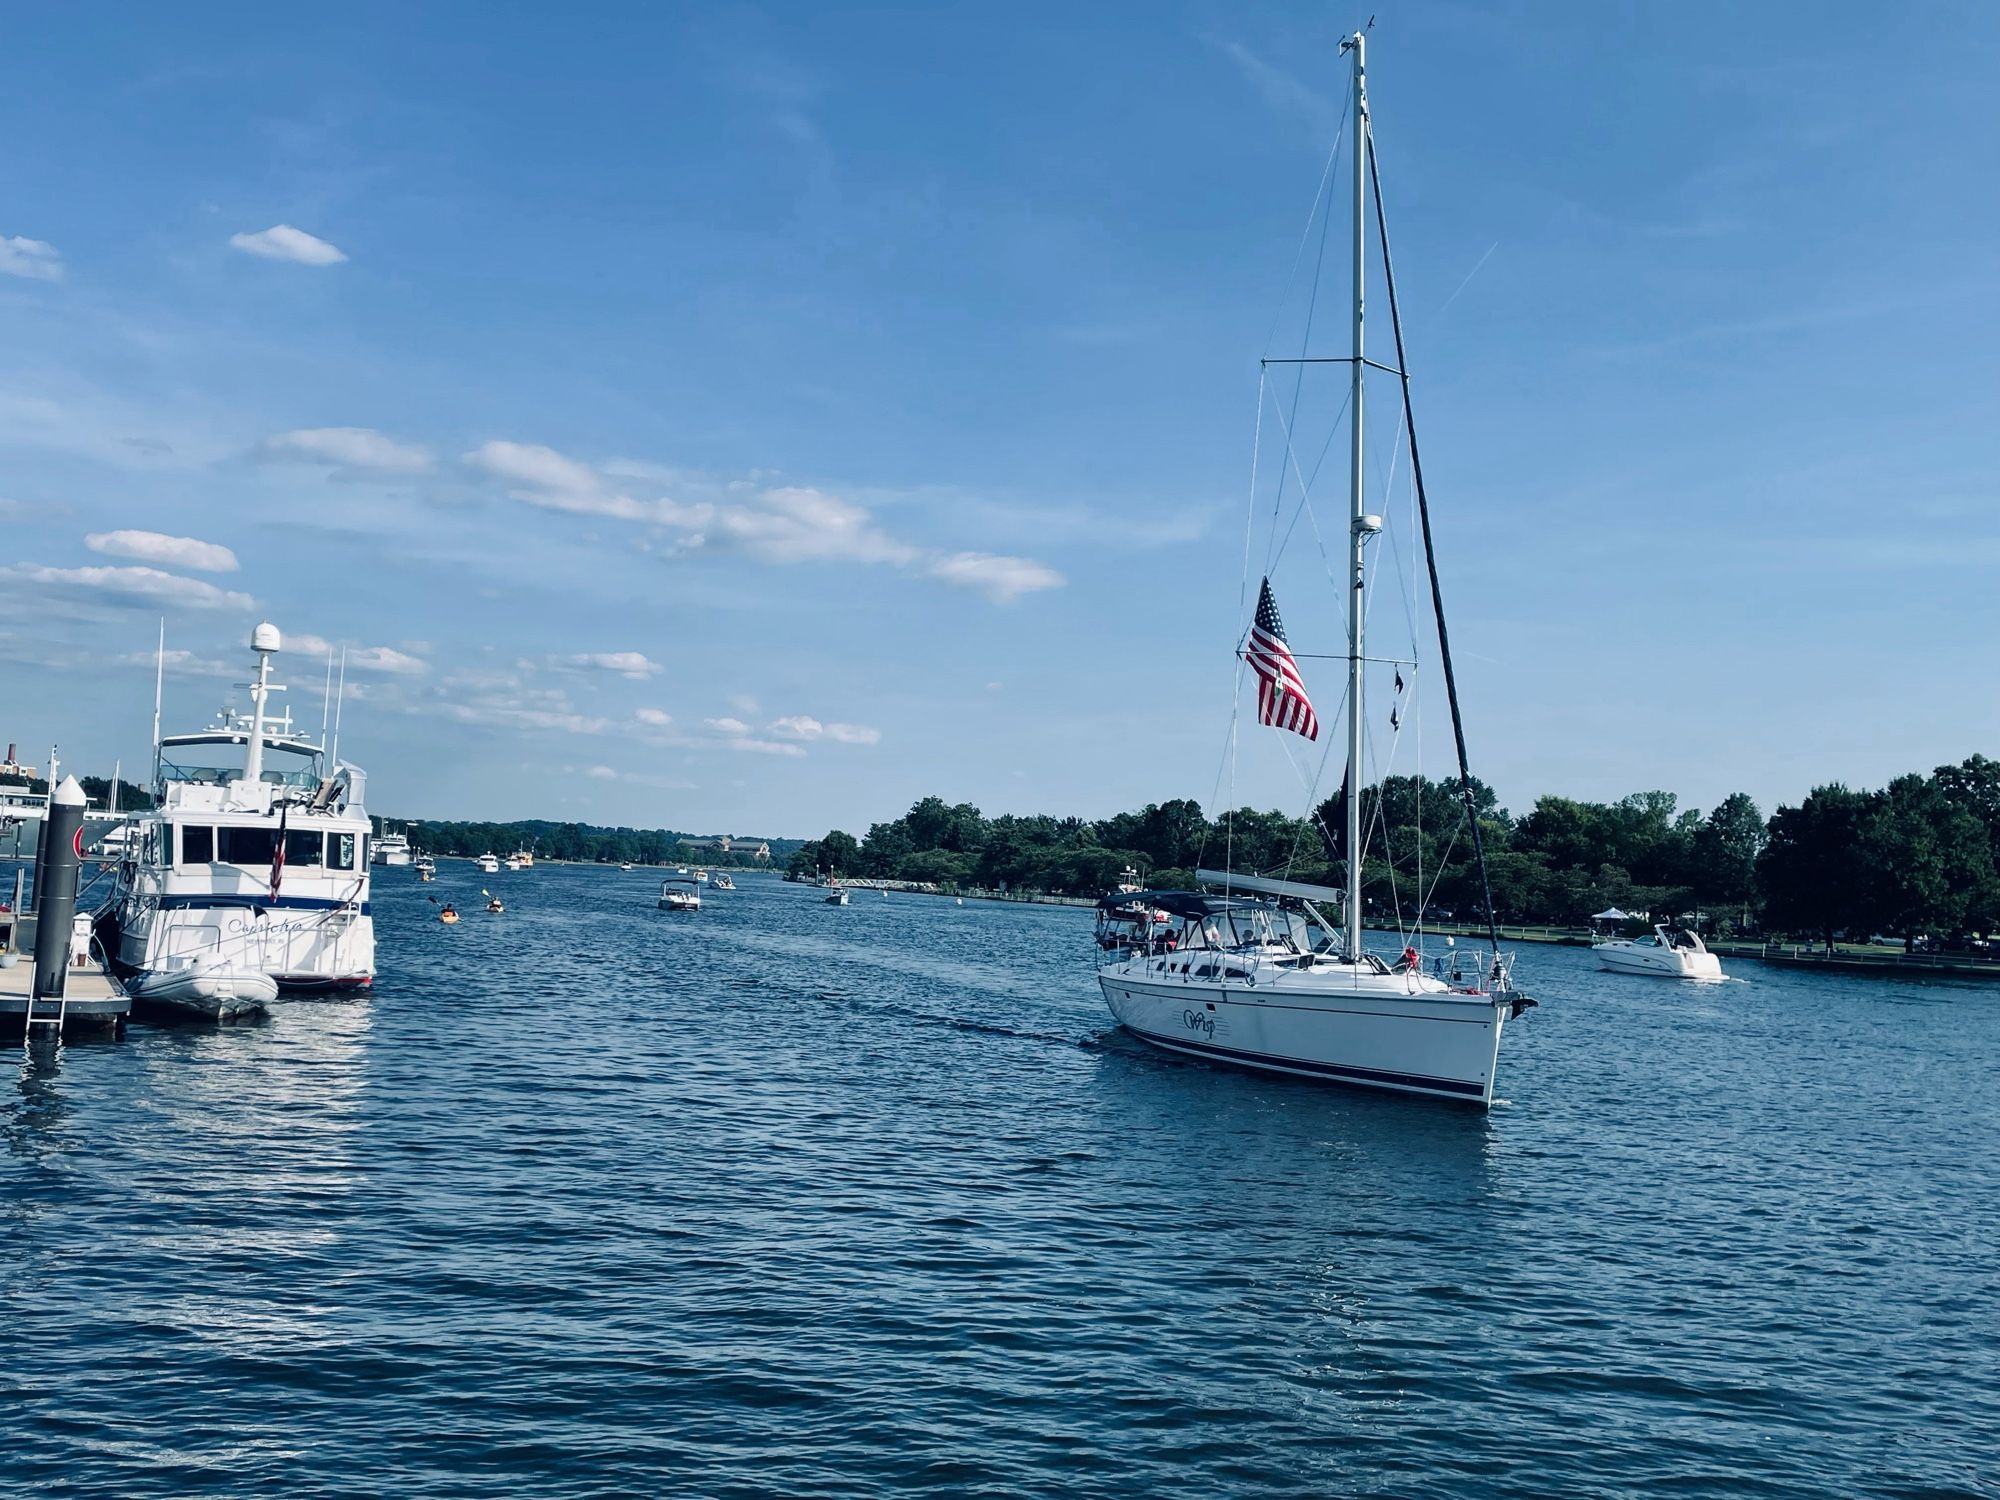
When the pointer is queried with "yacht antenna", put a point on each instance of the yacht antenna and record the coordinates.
(326, 705)
(1358, 530)
(159, 685)
(339, 702)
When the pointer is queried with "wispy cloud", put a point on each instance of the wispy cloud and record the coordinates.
(129, 586)
(657, 718)
(35, 260)
(283, 242)
(802, 727)
(360, 658)
(349, 450)
(169, 551)
(1284, 93)
(635, 665)
(727, 726)
(1001, 579)
(783, 525)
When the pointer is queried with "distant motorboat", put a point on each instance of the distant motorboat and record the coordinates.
(836, 894)
(625, 866)
(208, 987)
(488, 864)
(702, 876)
(680, 893)
(1670, 953)
(391, 849)
(512, 862)
(724, 883)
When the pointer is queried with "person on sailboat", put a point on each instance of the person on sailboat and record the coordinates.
(1411, 959)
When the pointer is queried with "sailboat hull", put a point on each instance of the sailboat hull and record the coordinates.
(1444, 1046)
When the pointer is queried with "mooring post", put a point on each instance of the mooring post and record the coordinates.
(55, 888)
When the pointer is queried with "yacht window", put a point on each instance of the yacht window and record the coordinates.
(197, 846)
(304, 846)
(248, 846)
(340, 851)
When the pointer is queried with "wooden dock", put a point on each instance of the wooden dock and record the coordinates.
(95, 1001)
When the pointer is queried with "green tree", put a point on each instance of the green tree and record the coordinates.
(1723, 853)
(1810, 868)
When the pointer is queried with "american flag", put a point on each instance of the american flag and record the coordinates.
(278, 851)
(1281, 692)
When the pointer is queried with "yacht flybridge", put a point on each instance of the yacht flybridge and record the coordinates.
(252, 866)
(1253, 969)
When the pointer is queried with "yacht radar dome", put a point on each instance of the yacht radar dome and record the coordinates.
(265, 638)
(1366, 526)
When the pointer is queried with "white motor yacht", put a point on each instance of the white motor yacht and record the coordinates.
(391, 849)
(488, 864)
(244, 874)
(680, 893)
(1670, 953)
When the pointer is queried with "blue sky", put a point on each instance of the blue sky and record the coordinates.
(757, 418)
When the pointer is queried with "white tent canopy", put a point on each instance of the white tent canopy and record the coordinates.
(1612, 914)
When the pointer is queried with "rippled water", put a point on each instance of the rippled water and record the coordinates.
(783, 1199)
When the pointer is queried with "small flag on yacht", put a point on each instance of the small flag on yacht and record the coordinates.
(278, 850)
(1281, 692)
(1399, 682)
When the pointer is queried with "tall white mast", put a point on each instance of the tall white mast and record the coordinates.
(1361, 525)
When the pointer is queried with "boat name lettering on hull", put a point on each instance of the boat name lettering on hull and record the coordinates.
(1201, 1021)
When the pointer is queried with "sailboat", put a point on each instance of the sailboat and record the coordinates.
(1252, 970)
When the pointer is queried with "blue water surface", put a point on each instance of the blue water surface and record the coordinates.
(787, 1199)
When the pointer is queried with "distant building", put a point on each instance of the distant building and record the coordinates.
(744, 848)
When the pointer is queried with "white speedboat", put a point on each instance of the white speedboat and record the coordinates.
(680, 893)
(1251, 971)
(625, 867)
(391, 849)
(488, 864)
(511, 862)
(1670, 953)
(256, 867)
(836, 893)
(724, 883)
(205, 987)
(702, 876)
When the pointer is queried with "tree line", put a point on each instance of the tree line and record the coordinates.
(584, 843)
(1915, 859)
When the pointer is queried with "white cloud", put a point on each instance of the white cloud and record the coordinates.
(633, 664)
(743, 703)
(360, 449)
(1000, 579)
(183, 663)
(157, 547)
(784, 525)
(385, 659)
(359, 658)
(802, 727)
(601, 773)
(763, 747)
(282, 242)
(794, 525)
(130, 586)
(727, 726)
(37, 260)
(659, 718)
